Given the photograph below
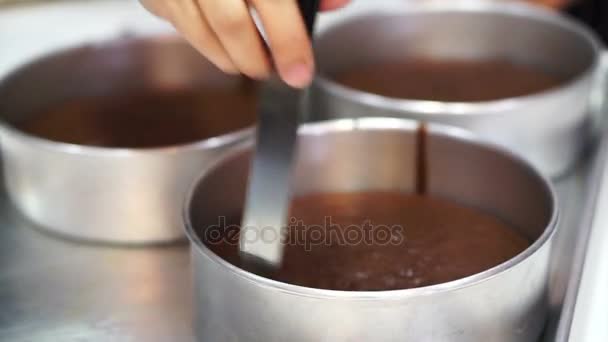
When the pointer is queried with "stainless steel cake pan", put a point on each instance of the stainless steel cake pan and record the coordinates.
(119, 195)
(505, 303)
(550, 128)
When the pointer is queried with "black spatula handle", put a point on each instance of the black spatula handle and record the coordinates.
(309, 9)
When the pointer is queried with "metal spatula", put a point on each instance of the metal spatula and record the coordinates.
(268, 196)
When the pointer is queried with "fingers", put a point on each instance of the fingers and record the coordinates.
(155, 7)
(232, 23)
(225, 33)
(288, 40)
(187, 19)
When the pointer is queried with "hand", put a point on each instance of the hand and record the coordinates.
(225, 33)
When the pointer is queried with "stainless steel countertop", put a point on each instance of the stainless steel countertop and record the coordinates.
(57, 290)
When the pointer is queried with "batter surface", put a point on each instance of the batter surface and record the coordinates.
(145, 119)
(456, 81)
(430, 241)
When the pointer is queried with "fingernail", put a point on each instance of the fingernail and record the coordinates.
(299, 75)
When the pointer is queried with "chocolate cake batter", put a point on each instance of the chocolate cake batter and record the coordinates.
(145, 119)
(439, 241)
(456, 81)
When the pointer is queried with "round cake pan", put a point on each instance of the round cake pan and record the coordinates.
(505, 303)
(104, 194)
(549, 128)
